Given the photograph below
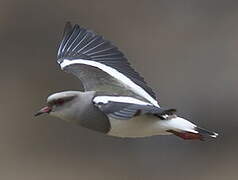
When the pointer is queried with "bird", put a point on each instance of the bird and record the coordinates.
(116, 99)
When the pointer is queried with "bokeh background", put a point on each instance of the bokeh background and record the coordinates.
(186, 50)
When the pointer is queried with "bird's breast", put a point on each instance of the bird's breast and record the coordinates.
(139, 126)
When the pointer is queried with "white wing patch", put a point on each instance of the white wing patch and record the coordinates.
(114, 73)
(121, 99)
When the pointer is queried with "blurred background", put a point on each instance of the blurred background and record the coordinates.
(186, 50)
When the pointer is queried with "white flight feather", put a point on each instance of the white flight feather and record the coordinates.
(121, 99)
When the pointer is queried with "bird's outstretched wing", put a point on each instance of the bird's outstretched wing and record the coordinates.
(100, 65)
(124, 107)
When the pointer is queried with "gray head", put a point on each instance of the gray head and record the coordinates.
(76, 107)
(61, 104)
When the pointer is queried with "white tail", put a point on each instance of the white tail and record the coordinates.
(185, 129)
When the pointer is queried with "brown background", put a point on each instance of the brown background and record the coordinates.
(186, 50)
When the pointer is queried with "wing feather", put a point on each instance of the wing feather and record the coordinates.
(82, 44)
(124, 108)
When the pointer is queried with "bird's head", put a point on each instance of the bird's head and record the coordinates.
(60, 104)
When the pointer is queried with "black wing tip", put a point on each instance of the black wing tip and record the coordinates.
(67, 28)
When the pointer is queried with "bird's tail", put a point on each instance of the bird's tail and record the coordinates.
(186, 130)
(198, 134)
(205, 133)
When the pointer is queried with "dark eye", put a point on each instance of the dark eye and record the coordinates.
(59, 102)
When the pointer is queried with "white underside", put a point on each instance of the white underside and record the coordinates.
(143, 126)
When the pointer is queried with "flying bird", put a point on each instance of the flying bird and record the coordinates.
(116, 99)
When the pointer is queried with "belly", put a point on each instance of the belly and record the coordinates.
(139, 126)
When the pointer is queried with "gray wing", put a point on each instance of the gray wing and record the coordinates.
(123, 108)
(99, 64)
